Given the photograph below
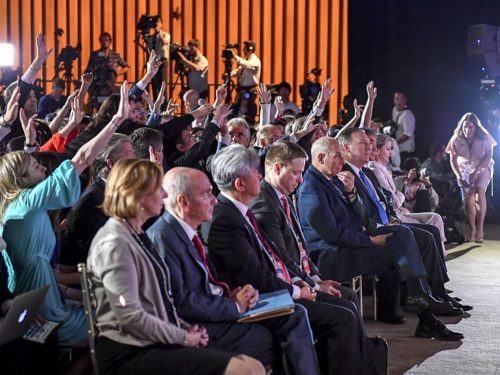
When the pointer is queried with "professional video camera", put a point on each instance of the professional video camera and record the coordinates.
(65, 59)
(176, 50)
(390, 127)
(146, 22)
(227, 52)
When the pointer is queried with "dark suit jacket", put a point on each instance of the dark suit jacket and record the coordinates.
(82, 223)
(196, 155)
(270, 214)
(370, 213)
(192, 295)
(332, 226)
(235, 251)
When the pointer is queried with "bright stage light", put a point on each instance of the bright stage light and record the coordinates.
(6, 54)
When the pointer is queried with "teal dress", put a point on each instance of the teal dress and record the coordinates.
(31, 241)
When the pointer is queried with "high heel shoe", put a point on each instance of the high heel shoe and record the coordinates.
(480, 238)
(471, 237)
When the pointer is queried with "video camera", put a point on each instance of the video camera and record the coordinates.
(69, 54)
(227, 52)
(176, 49)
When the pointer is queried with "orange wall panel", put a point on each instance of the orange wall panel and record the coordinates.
(292, 36)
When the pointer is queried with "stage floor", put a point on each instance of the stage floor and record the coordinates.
(474, 271)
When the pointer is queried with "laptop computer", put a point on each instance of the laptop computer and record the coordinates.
(21, 315)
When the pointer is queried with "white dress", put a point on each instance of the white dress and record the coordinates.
(385, 179)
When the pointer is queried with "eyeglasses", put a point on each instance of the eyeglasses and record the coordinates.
(139, 111)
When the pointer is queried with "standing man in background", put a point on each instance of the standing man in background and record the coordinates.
(404, 118)
(198, 69)
(249, 68)
(161, 45)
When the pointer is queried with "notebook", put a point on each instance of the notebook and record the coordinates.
(270, 305)
(20, 318)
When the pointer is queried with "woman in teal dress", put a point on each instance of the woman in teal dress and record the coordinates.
(26, 196)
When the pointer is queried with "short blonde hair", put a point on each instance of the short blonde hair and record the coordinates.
(129, 181)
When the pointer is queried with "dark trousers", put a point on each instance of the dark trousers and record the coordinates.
(116, 358)
(291, 332)
(340, 340)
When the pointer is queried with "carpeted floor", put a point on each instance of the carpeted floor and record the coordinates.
(474, 271)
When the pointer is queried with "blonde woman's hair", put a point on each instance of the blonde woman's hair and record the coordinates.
(127, 183)
(480, 133)
(13, 166)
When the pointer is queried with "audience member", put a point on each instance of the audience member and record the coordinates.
(139, 329)
(200, 297)
(51, 102)
(439, 170)
(243, 254)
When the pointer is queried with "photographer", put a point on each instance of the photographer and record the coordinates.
(198, 68)
(405, 120)
(249, 68)
(161, 45)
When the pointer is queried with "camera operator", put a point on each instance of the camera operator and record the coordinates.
(249, 68)
(198, 68)
(100, 62)
(161, 45)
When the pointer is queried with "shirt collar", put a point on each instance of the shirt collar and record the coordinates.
(240, 206)
(190, 232)
(354, 168)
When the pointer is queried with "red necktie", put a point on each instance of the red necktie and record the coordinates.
(304, 258)
(278, 264)
(199, 247)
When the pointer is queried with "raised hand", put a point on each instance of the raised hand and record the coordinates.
(358, 109)
(42, 53)
(264, 93)
(280, 106)
(12, 107)
(76, 115)
(123, 107)
(325, 93)
(371, 90)
(160, 99)
(87, 79)
(221, 112)
(29, 127)
(153, 64)
(220, 95)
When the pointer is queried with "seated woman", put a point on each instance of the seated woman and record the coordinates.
(378, 166)
(139, 330)
(471, 150)
(27, 195)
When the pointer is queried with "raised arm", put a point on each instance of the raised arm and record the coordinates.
(265, 105)
(55, 124)
(42, 53)
(366, 117)
(89, 151)
(358, 110)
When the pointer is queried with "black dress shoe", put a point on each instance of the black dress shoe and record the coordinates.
(415, 304)
(458, 305)
(392, 318)
(454, 312)
(436, 330)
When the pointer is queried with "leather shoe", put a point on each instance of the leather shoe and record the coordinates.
(391, 318)
(436, 330)
(415, 304)
(454, 312)
(458, 305)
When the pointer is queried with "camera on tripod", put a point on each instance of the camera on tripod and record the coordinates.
(227, 52)
(69, 54)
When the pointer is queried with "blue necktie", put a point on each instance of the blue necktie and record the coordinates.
(374, 197)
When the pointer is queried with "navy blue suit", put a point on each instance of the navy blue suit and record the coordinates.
(196, 303)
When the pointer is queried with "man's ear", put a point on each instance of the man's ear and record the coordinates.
(321, 158)
(277, 167)
(239, 184)
(110, 163)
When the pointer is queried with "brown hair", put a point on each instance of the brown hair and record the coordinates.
(128, 182)
(472, 117)
(284, 153)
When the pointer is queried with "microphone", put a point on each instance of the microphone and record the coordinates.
(201, 101)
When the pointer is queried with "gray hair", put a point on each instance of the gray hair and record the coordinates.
(322, 146)
(346, 136)
(176, 182)
(232, 162)
(239, 121)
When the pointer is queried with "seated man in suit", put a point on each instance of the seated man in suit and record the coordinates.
(200, 297)
(276, 216)
(328, 211)
(242, 254)
(378, 211)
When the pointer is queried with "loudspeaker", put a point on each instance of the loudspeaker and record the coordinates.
(481, 39)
